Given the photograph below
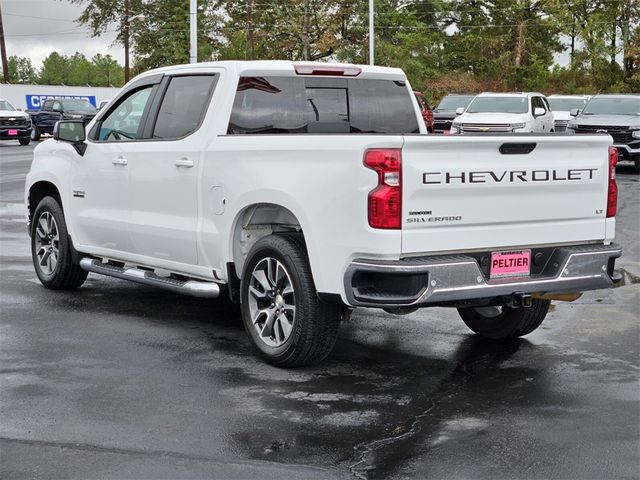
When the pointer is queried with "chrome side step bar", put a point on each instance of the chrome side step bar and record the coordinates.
(194, 288)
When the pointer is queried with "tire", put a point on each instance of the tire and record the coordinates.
(501, 323)
(636, 165)
(24, 141)
(49, 233)
(297, 328)
(35, 134)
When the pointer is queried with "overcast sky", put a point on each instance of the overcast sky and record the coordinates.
(35, 28)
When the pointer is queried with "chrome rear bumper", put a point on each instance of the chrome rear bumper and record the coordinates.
(437, 280)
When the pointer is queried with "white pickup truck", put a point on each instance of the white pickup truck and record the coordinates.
(302, 190)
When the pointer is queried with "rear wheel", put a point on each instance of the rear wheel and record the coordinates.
(501, 323)
(24, 141)
(51, 248)
(289, 325)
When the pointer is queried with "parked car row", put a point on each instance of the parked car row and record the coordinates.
(532, 112)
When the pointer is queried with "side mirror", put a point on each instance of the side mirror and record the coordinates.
(459, 110)
(73, 132)
(539, 111)
(574, 112)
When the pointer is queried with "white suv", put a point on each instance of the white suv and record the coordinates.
(505, 113)
(562, 105)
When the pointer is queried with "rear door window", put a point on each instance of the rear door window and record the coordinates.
(183, 106)
(273, 105)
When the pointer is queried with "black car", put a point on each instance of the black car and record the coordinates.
(55, 109)
(445, 112)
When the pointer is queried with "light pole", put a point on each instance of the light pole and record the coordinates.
(193, 30)
(371, 49)
(126, 20)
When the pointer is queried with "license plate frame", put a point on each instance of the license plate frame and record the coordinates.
(13, 132)
(510, 263)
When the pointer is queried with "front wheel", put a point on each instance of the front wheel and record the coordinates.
(636, 164)
(501, 323)
(289, 325)
(51, 248)
(24, 141)
(35, 134)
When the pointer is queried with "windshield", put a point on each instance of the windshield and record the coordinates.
(453, 102)
(566, 104)
(499, 105)
(4, 105)
(79, 105)
(613, 106)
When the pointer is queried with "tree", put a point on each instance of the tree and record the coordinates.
(162, 38)
(55, 70)
(106, 71)
(295, 30)
(104, 15)
(80, 71)
(21, 70)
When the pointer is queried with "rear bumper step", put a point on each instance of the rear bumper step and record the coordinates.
(438, 280)
(194, 288)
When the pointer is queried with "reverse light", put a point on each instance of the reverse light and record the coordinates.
(310, 69)
(612, 192)
(385, 201)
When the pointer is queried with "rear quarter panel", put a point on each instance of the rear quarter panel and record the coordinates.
(320, 178)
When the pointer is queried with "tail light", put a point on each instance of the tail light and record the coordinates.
(612, 193)
(385, 201)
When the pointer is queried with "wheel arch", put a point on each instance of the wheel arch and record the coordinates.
(37, 192)
(256, 221)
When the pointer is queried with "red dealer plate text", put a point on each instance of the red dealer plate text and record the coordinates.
(13, 132)
(510, 264)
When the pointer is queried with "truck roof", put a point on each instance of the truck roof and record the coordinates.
(509, 94)
(555, 95)
(285, 67)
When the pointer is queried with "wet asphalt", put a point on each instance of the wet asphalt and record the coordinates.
(119, 381)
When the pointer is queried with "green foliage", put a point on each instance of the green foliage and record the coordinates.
(100, 71)
(162, 37)
(55, 70)
(21, 70)
(443, 45)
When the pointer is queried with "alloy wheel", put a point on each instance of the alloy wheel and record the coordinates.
(271, 302)
(47, 243)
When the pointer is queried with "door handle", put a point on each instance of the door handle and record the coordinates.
(119, 161)
(184, 162)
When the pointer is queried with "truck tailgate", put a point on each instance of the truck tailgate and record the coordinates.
(483, 192)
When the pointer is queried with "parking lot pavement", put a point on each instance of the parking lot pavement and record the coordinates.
(118, 380)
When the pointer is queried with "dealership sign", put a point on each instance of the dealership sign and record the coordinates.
(35, 102)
